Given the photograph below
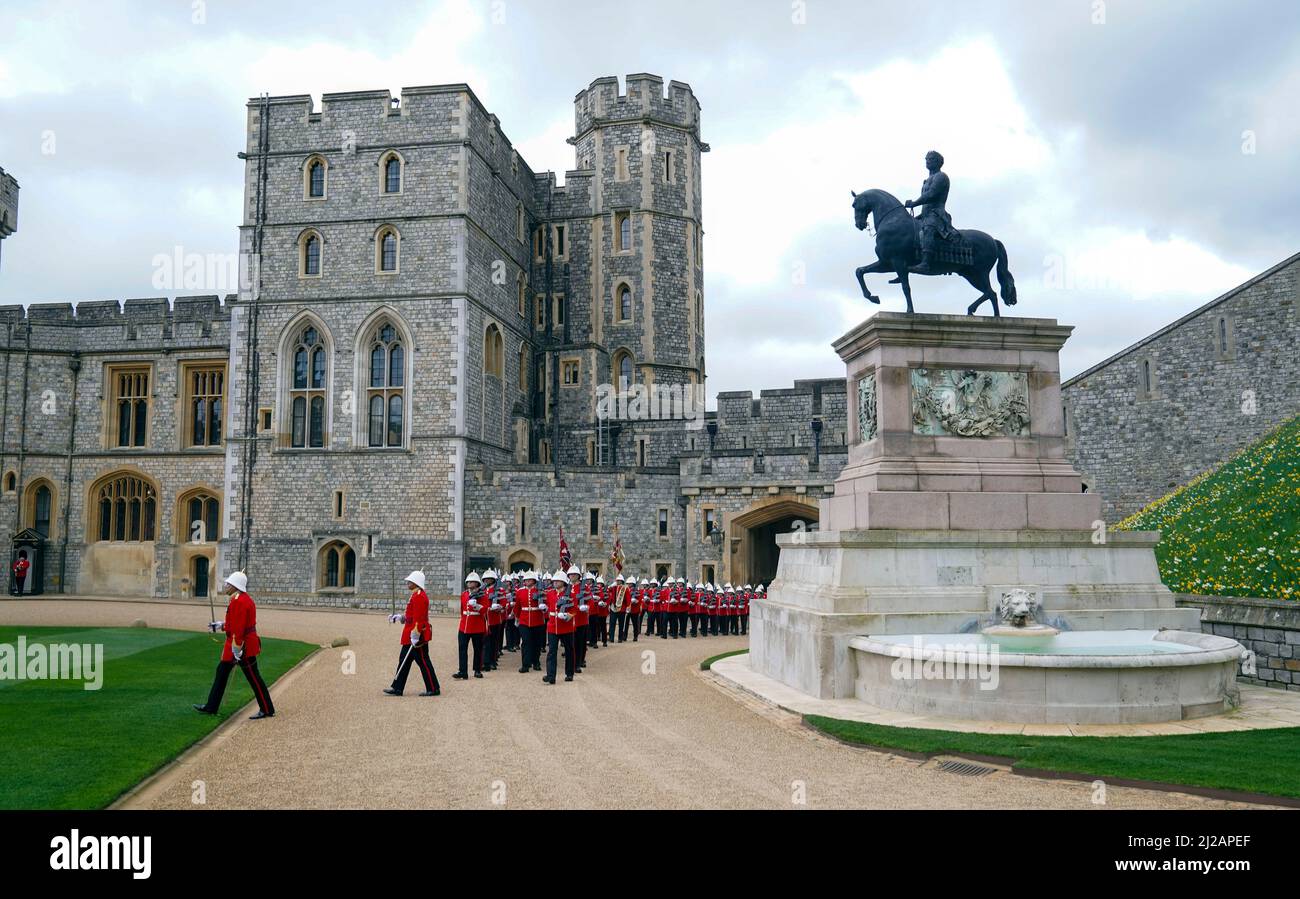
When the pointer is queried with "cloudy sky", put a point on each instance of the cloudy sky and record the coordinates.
(1136, 157)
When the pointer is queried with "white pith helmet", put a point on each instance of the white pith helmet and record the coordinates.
(573, 569)
(473, 578)
(491, 573)
(587, 575)
(619, 579)
(654, 582)
(530, 575)
(417, 578)
(631, 579)
(238, 580)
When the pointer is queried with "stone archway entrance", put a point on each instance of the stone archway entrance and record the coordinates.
(752, 537)
(521, 560)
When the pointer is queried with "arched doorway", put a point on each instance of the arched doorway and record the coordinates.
(522, 560)
(752, 537)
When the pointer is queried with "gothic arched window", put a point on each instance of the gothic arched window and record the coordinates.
(494, 352)
(307, 391)
(309, 255)
(387, 244)
(126, 507)
(337, 566)
(314, 180)
(385, 387)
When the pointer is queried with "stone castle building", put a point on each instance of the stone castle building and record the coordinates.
(416, 373)
(8, 205)
(1180, 401)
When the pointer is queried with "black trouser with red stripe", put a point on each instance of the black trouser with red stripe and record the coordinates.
(420, 655)
(248, 664)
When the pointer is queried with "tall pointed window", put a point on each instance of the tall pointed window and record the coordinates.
(307, 394)
(494, 357)
(623, 296)
(385, 397)
(309, 255)
(130, 387)
(314, 179)
(387, 246)
(623, 370)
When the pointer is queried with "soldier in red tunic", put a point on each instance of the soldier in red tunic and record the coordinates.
(20, 573)
(598, 631)
(531, 608)
(494, 596)
(415, 639)
(242, 648)
(473, 625)
(560, 627)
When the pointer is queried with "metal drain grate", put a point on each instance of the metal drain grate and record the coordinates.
(965, 769)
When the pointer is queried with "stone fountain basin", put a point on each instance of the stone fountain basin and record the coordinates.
(1078, 677)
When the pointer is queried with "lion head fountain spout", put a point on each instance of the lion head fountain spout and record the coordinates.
(1017, 611)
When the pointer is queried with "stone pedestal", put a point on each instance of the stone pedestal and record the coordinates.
(956, 488)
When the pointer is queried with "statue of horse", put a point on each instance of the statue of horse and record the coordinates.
(898, 249)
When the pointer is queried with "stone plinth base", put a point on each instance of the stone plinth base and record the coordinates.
(834, 586)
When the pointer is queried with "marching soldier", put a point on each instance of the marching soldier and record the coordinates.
(560, 627)
(531, 605)
(634, 610)
(665, 598)
(652, 607)
(744, 609)
(683, 607)
(697, 608)
(731, 609)
(579, 589)
(618, 610)
(599, 604)
(415, 639)
(242, 648)
(473, 626)
(512, 611)
(496, 619)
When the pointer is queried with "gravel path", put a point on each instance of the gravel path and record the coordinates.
(633, 731)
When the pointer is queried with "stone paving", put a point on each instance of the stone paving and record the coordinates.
(635, 730)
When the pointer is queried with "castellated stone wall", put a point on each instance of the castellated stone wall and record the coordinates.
(467, 213)
(39, 391)
(1184, 399)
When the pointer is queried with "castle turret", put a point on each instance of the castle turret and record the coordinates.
(8, 205)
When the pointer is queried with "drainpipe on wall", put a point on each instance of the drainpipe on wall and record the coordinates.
(22, 430)
(74, 365)
(683, 502)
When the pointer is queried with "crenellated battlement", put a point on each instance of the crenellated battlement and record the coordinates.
(137, 311)
(8, 204)
(644, 97)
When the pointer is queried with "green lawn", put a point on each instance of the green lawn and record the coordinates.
(62, 746)
(1258, 761)
(708, 663)
(1234, 531)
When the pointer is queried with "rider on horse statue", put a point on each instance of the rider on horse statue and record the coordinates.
(935, 222)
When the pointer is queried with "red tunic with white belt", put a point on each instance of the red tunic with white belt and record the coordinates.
(417, 616)
(471, 621)
(241, 627)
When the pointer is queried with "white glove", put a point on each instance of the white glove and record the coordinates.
(496, 607)
(565, 616)
(397, 619)
(603, 604)
(473, 604)
(415, 638)
(237, 652)
(215, 626)
(582, 608)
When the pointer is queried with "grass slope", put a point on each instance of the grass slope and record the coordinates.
(1234, 531)
(62, 746)
(1255, 761)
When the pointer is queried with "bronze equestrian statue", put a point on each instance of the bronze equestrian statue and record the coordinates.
(942, 249)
